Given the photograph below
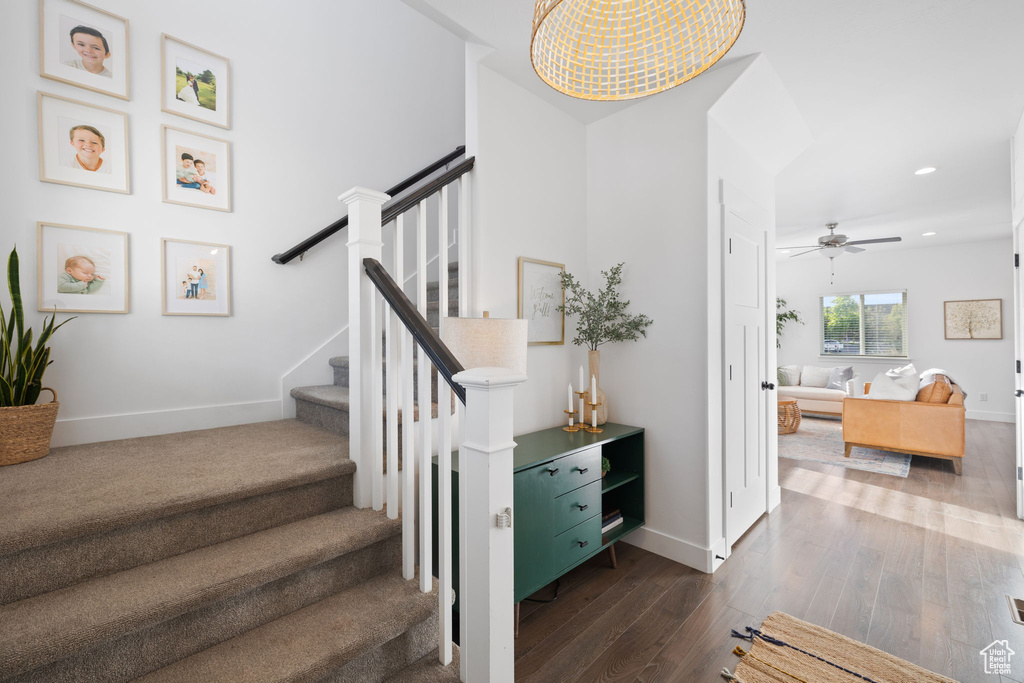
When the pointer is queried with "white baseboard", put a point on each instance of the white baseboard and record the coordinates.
(990, 417)
(81, 430)
(673, 548)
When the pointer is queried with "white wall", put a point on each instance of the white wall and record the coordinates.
(980, 270)
(529, 200)
(325, 96)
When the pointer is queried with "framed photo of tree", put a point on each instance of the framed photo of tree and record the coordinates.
(973, 319)
(196, 83)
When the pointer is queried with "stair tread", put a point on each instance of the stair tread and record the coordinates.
(87, 489)
(429, 670)
(313, 641)
(62, 623)
(333, 396)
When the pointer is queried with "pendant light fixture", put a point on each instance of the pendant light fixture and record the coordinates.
(626, 49)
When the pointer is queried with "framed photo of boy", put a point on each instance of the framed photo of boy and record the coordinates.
(84, 46)
(81, 270)
(197, 170)
(82, 145)
(540, 293)
(195, 83)
(196, 278)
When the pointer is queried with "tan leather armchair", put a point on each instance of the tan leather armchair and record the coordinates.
(935, 430)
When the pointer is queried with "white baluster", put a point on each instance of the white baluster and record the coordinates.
(485, 463)
(465, 245)
(364, 233)
(444, 517)
(408, 438)
(376, 442)
(425, 503)
(442, 263)
(392, 368)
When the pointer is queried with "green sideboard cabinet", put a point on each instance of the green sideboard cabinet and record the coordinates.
(559, 498)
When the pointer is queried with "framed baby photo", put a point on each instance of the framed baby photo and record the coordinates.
(540, 294)
(81, 270)
(197, 170)
(196, 278)
(84, 46)
(195, 83)
(82, 145)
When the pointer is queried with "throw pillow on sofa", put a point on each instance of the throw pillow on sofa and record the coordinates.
(838, 378)
(813, 376)
(886, 388)
(936, 389)
(907, 370)
(789, 375)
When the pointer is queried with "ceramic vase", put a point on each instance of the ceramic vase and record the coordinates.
(594, 358)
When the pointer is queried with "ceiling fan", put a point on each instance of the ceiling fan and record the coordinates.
(833, 245)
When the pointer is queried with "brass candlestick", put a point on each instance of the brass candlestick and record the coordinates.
(593, 430)
(571, 427)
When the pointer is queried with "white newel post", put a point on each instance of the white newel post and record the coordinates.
(485, 483)
(364, 241)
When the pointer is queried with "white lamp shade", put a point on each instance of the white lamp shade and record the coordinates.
(487, 342)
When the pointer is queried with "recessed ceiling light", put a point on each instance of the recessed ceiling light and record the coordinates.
(927, 234)
(925, 171)
(784, 251)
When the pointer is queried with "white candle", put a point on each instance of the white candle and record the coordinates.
(582, 420)
(593, 399)
(582, 388)
(570, 399)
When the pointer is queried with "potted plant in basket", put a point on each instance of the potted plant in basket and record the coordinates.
(602, 319)
(26, 427)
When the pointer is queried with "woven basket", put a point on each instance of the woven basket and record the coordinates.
(789, 417)
(25, 431)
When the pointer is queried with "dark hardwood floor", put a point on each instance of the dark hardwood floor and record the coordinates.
(918, 567)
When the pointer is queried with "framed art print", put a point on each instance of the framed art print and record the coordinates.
(84, 46)
(973, 319)
(81, 270)
(196, 278)
(540, 293)
(82, 145)
(195, 83)
(197, 170)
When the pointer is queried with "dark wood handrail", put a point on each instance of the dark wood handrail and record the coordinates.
(394, 209)
(312, 241)
(440, 355)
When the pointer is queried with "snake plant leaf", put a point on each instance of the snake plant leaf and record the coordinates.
(14, 285)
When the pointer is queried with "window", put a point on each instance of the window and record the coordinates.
(869, 324)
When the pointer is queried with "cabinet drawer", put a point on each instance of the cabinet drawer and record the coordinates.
(575, 470)
(572, 508)
(577, 543)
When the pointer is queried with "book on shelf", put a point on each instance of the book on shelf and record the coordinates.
(611, 514)
(608, 526)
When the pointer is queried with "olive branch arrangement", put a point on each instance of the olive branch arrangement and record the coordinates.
(602, 318)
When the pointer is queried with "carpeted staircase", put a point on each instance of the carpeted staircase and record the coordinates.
(229, 554)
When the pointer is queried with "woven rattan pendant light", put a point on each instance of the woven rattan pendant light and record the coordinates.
(625, 49)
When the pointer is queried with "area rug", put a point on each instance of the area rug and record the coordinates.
(820, 439)
(767, 662)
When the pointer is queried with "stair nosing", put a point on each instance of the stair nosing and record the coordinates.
(218, 576)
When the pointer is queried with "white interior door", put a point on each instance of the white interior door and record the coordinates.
(1018, 336)
(745, 433)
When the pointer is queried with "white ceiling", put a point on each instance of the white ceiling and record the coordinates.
(886, 87)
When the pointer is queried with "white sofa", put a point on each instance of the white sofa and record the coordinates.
(810, 397)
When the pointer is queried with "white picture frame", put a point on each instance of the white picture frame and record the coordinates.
(540, 293)
(195, 277)
(64, 58)
(213, 154)
(70, 133)
(209, 99)
(81, 270)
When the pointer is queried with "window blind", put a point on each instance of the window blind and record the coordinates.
(864, 324)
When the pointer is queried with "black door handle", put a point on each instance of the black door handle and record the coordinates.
(766, 385)
(1018, 393)
(582, 507)
(552, 471)
(582, 470)
(583, 544)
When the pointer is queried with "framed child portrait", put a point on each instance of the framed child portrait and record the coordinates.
(82, 145)
(195, 83)
(196, 278)
(81, 270)
(84, 46)
(197, 170)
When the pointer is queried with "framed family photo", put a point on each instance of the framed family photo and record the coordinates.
(196, 83)
(197, 170)
(540, 293)
(82, 145)
(84, 46)
(81, 270)
(973, 319)
(196, 278)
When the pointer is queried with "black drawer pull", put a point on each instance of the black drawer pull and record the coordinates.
(583, 470)
(583, 544)
(583, 507)
(552, 471)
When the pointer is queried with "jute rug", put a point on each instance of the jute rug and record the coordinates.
(770, 663)
(820, 439)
